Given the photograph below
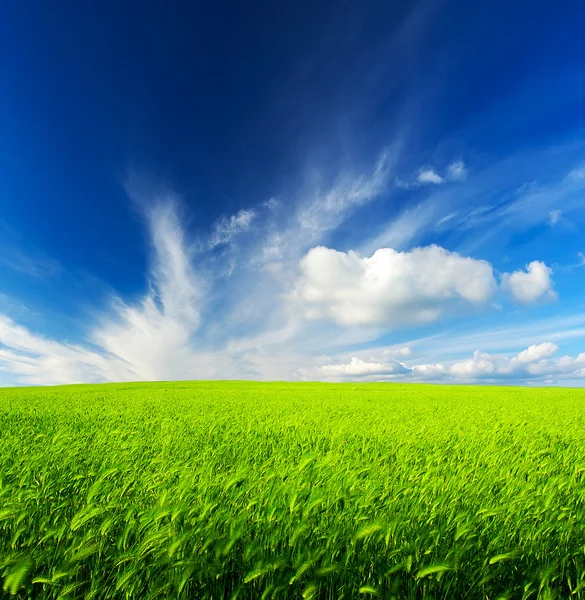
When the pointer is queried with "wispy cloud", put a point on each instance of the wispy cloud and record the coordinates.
(227, 228)
(21, 256)
(326, 211)
(429, 175)
(457, 171)
(554, 216)
(151, 339)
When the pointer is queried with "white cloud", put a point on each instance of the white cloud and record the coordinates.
(456, 171)
(356, 367)
(390, 288)
(394, 352)
(531, 285)
(535, 362)
(554, 216)
(149, 340)
(429, 175)
(325, 211)
(226, 229)
(478, 366)
(37, 360)
(319, 211)
(537, 352)
(429, 371)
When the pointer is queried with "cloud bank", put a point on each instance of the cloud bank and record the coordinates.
(535, 364)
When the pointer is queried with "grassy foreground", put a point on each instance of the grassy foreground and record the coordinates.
(256, 491)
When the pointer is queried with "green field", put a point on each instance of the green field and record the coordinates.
(249, 490)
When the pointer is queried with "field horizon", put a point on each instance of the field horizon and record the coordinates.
(430, 384)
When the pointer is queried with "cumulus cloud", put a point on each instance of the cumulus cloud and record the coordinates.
(531, 285)
(226, 229)
(429, 371)
(429, 175)
(537, 352)
(390, 288)
(537, 362)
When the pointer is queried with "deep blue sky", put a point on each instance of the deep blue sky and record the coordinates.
(107, 108)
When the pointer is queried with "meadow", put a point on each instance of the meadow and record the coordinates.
(244, 490)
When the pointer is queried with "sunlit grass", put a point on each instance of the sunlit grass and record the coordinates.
(242, 490)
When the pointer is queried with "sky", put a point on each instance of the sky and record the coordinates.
(332, 190)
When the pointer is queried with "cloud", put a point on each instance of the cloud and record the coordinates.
(429, 175)
(326, 211)
(319, 211)
(394, 352)
(37, 360)
(356, 367)
(577, 174)
(536, 362)
(151, 339)
(427, 371)
(226, 229)
(403, 230)
(390, 288)
(19, 255)
(456, 171)
(537, 352)
(554, 216)
(531, 285)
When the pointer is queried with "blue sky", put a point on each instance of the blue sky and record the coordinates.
(334, 190)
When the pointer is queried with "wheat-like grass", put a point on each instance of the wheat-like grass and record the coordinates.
(244, 490)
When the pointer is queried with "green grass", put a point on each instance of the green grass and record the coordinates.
(257, 491)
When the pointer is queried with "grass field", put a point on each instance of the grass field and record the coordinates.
(248, 490)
